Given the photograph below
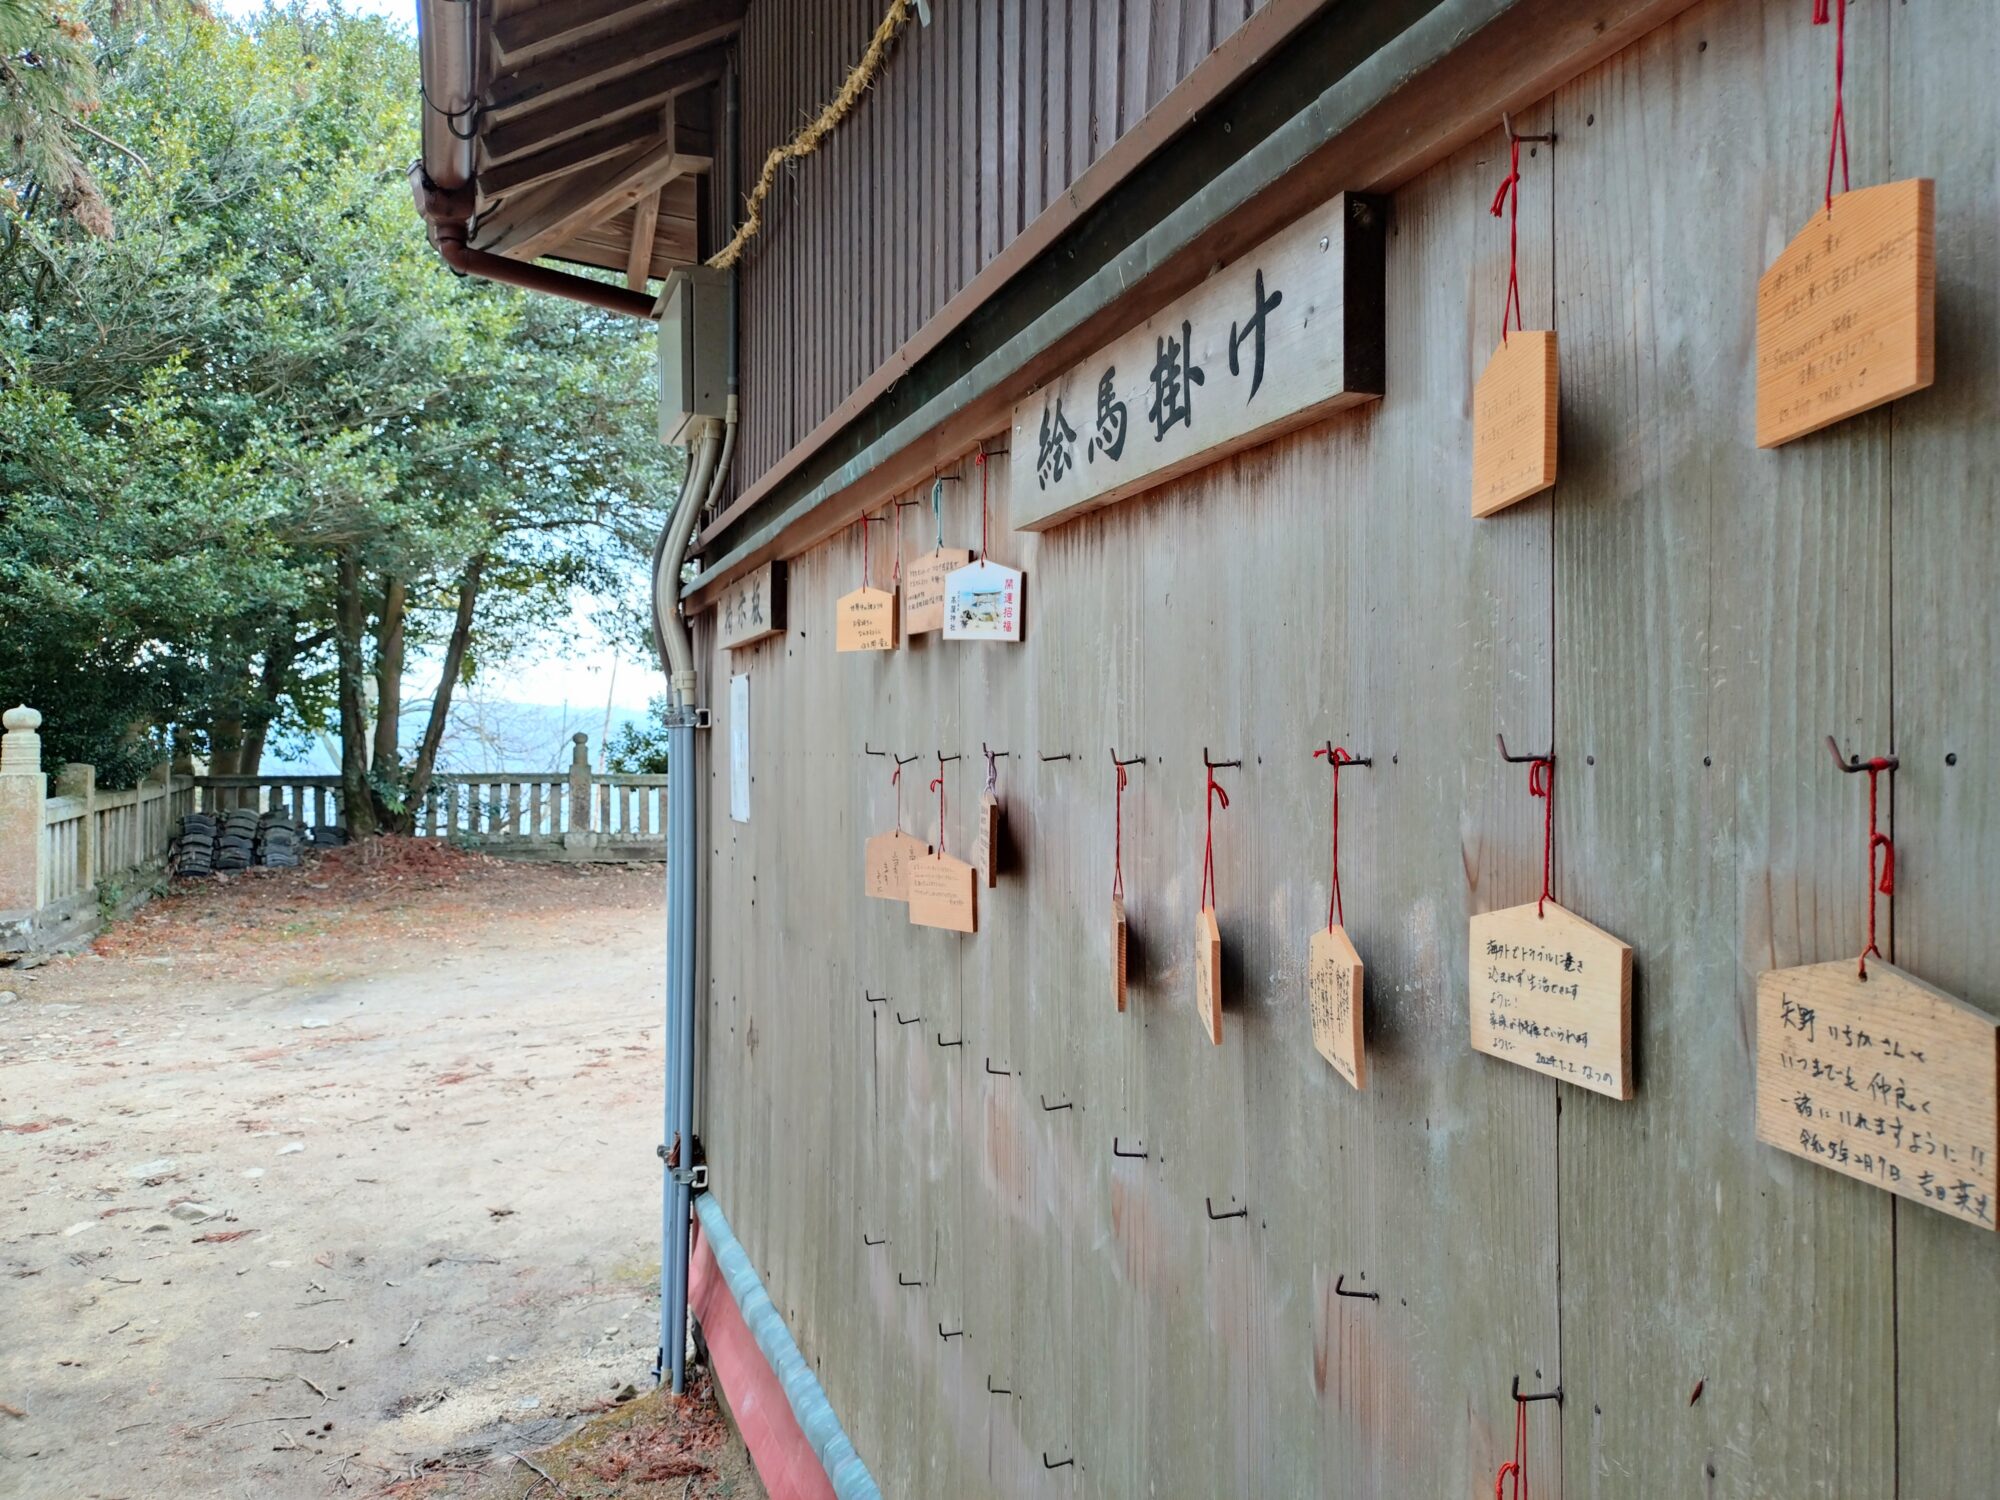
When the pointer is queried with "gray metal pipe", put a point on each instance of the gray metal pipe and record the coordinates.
(681, 915)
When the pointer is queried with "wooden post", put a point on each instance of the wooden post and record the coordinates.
(23, 791)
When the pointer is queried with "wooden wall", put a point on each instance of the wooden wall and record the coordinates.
(980, 122)
(1686, 616)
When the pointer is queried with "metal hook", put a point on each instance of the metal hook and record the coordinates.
(1881, 763)
(1216, 765)
(1136, 760)
(1052, 1108)
(1117, 1150)
(997, 1072)
(865, 750)
(906, 504)
(1047, 758)
(900, 1281)
(911, 1021)
(1507, 125)
(1522, 760)
(991, 754)
(1063, 1465)
(904, 760)
(960, 1042)
(995, 1390)
(874, 999)
(1555, 1395)
(1340, 1282)
(943, 758)
(872, 1243)
(956, 1333)
(1351, 760)
(1234, 1214)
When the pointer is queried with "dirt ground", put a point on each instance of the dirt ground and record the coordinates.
(341, 1181)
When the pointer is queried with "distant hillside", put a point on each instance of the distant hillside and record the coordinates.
(481, 736)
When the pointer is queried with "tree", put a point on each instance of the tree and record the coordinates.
(305, 452)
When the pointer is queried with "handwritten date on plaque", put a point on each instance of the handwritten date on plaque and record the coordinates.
(1553, 993)
(1887, 1079)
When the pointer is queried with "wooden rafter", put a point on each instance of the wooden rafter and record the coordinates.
(688, 27)
(543, 219)
(573, 155)
(544, 27)
(652, 86)
(645, 220)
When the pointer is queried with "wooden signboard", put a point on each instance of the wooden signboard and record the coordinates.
(986, 841)
(1283, 336)
(865, 620)
(1514, 422)
(944, 894)
(1118, 953)
(1333, 992)
(886, 861)
(983, 602)
(1846, 316)
(752, 609)
(923, 588)
(1887, 1079)
(1554, 994)
(1208, 974)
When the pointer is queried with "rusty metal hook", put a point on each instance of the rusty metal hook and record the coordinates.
(1507, 125)
(1216, 765)
(1239, 1213)
(959, 1042)
(997, 1072)
(1555, 1395)
(1052, 1108)
(1522, 760)
(1856, 763)
(1117, 1150)
(872, 1243)
(901, 1281)
(868, 999)
(1136, 760)
(1047, 758)
(1339, 1285)
(911, 1021)
(1345, 760)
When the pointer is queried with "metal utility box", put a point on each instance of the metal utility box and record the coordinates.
(694, 351)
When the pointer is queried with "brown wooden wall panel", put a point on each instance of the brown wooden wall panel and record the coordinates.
(979, 122)
(1684, 616)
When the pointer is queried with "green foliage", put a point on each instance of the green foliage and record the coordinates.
(47, 87)
(639, 746)
(266, 368)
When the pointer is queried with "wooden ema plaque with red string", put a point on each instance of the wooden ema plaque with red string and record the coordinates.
(1334, 978)
(1208, 974)
(865, 620)
(986, 841)
(943, 894)
(1846, 315)
(1885, 1079)
(1553, 993)
(1514, 422)
(1118, 952)
(886, 860)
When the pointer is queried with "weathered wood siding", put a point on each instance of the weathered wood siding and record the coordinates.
(980, 121)
(1688, 617)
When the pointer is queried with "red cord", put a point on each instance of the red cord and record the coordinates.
(1215, 792)
(1518, 1465)
(1542, 783)
(1876, 840)
(1337, 757)
(937, 785)
(1837, 142)
(985, 530)
(1509, 199)
(896, 781)
(1118, 839)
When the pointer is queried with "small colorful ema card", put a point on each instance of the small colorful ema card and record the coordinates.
(983, 602)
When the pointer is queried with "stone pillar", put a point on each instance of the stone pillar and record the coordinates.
(23, 790)
(579, 784)
(80, 781)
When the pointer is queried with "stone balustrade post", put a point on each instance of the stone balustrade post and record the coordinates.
(23, 793)
(579, 784)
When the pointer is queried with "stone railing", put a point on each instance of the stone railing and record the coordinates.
(63, 857)
(576, 814)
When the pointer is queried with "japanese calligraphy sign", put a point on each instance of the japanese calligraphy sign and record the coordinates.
(1118, 953)
(865, 620)
(923, 588)
(982, 602)
(1284, 336)
(886, 861)
(943, 894)
(752, 609)
(1553, 993)
(1886, 1079)
(1514, 422)
(1333, 993)
(1208, 974)
(1846, 315)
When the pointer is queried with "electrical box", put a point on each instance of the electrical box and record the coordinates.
(694, 352)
